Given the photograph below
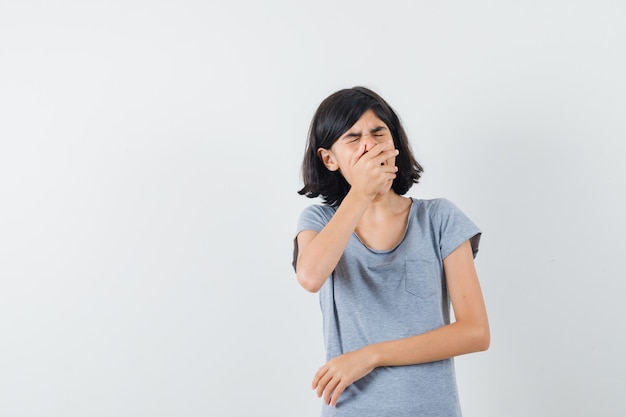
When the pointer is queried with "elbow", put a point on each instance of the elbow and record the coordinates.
(476, 337)
(482, 338)
(483, 343)
(309, 284)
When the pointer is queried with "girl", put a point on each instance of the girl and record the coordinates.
(387, 268)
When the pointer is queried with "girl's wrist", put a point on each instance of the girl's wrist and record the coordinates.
(359, 197)
(373, 355)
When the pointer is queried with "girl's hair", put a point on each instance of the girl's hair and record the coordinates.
(335, 115)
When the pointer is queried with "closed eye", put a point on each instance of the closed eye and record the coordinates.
(379, 131)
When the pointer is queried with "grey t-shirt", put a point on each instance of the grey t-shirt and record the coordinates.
(375, 295)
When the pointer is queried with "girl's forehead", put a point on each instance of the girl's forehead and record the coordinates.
(369, 119)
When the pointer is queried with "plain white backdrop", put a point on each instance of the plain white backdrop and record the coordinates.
(149, 162)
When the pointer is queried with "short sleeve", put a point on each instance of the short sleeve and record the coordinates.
(455, 228)
(314, 217)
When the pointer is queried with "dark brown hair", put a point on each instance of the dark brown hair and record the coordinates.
(335, 115)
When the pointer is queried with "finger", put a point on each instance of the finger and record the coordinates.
(336, 393)
(330, 388)
(389, 169)
(318, 375)
(380, 159)
(321, 386)
(384, 156)
(382, 147)
(358, 154)
(375, 151)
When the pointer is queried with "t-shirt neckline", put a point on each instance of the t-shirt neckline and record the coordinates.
(406, 230)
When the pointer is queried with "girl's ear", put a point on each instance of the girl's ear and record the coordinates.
(328, 159)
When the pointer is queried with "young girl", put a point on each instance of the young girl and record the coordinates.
(387, 268)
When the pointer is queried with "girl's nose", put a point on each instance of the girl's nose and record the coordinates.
(369, 142)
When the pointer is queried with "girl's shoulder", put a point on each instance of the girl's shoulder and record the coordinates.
(315, 217)
(451, 224)
(433, 206)
(438, 211)
(319, 210)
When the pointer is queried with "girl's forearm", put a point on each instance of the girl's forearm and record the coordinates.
(455, 339)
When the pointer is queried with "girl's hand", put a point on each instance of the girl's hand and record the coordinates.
(333, 378)
(373, 171)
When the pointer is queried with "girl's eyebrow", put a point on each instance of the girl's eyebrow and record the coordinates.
(352, 135)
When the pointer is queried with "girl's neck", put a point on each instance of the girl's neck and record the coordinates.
(388, 204)
(383, 224)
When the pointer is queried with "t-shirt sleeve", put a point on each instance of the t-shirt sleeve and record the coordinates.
(455, 228)
(312, 218)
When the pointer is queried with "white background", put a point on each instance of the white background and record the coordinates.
(149, 163)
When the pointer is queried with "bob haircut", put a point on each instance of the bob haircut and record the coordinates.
(334, 117)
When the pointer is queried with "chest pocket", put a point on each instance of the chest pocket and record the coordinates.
(423, 279)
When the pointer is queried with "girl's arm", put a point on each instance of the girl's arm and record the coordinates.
(319, 253)
(469, 333)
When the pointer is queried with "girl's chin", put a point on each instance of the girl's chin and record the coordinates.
(385, 192)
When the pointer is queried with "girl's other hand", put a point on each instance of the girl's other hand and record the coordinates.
(340, 372)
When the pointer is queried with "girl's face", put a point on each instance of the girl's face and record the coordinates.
(369, 130)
